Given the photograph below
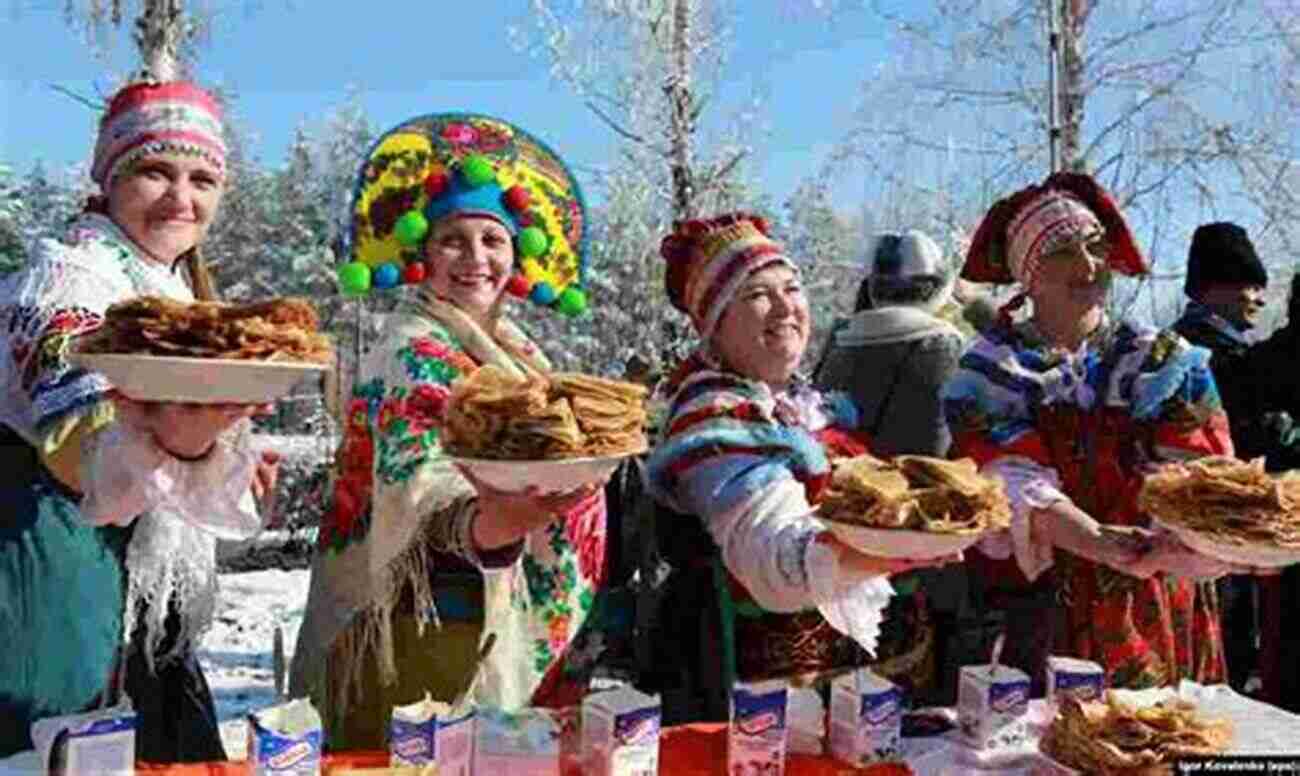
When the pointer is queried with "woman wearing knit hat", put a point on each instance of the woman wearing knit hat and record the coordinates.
(161, 481)
(415, 563)
(745, 453)
(1068, 408)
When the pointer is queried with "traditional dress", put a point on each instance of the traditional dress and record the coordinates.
(747, 464)
(399, 598)
(1080, 427)
(140, 539)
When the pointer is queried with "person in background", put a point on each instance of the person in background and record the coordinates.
(892, 357)
(1225, 287)
(112, 517)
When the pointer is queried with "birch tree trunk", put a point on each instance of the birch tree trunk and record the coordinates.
(1073, 89)
(681, 127)
(159, 32)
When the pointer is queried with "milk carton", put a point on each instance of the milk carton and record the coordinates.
(1082, 679)
(991, 706)
(285, 740)
(430, 732)
(96, 743)
(525, 743)
(756, 738)
(866, 718)
(620, 733)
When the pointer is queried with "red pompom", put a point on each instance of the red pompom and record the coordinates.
(518, 286)
(414, 272)
(436, 183)
(517, 199)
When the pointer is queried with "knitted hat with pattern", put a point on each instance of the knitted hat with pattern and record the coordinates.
(151, 118)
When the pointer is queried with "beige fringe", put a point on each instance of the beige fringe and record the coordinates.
(371, 630)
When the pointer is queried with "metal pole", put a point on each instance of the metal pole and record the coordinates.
(360, 335)
(1053, 96)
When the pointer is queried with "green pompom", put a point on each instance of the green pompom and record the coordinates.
(354, 277)
(477, 170)
(533, 242)
(411, 228)
(573, 302)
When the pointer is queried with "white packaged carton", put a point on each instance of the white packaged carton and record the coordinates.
(429, 733)
(525, 743)
(1082, 679)
(620, 733)
(285, 740)
(866, 718)
(756, 737)
(991, 706)
(99, 742)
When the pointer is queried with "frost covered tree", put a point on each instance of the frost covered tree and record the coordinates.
(167, 33)
(1181, 109)
(648, 71)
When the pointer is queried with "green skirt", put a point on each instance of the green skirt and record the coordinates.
(60, 607)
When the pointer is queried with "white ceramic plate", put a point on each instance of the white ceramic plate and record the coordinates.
(1253, 554)
(896, 543)
(549, 476)
(197, 380)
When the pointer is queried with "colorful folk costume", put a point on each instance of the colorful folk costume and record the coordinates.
(132, 557)
(399, 598)
(738, 468)
(1081, 427)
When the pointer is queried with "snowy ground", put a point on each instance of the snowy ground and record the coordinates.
(236, 653)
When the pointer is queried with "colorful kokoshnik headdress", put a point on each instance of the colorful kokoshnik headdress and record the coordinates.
(460, 163)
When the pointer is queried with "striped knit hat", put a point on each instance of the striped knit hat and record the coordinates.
(151, 118)
(1021, 229)
(710, 259)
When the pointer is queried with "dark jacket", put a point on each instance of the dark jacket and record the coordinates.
(1255, 384)
(893, 363)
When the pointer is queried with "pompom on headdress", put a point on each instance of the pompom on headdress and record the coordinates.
(445, 164)
(1019, 230)
(710, 259)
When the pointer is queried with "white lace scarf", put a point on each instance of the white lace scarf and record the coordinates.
(169, 561)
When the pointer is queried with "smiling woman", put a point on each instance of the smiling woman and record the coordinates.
(165, 203)
(470, 261)
(416, 560)
(743, 460)
(114, 518)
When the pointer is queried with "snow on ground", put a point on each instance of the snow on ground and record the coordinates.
(236, 652)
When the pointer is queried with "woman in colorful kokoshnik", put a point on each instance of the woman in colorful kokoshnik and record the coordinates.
(1069, 408)
(745, 451)
(415, 563)
(111, 500)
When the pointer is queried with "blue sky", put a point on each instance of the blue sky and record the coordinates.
(291, 61)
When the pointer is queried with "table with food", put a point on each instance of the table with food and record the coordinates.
(561, 431)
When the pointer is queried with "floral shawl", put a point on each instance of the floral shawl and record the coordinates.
(398, 500)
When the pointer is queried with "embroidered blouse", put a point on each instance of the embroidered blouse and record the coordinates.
(181, 507)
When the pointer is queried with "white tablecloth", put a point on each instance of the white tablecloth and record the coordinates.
(1258, 729)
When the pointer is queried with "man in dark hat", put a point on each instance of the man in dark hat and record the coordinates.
(1225, 288)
